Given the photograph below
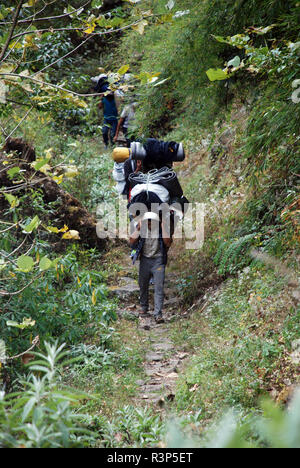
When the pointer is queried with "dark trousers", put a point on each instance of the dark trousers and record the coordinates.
(148, 267)
(109, 130)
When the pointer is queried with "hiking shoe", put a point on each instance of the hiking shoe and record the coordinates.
(159, 319)
(144, 313)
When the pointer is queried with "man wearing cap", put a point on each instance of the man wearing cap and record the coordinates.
(151, 242)
(126, 123)
(109, 106)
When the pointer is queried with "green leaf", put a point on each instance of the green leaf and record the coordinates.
(34, 224)
(235, 62)
(13, 201)
(28, 408)
(140, 27)
(37, 165)
(216, 74)
(27, 322)
(25, 263)
(45, 264)
(2, 264)
(13, 171)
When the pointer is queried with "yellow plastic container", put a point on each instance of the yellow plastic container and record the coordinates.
(120, 154)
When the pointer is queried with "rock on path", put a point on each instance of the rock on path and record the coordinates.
(162, 360)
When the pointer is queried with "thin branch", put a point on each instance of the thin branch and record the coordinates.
(31, 247)
(15, 21)
(5, 169)
(17, 248)
(101, 33)
(40, 11)
(48, 84)
(20, 123)
(7, 294)
(18, 103)
(9, 228)
(17, 188)
(35, 342)
(52, 30)
(8, 259)
(49, 18)
(64, 56)
(3, 130)
(87, 39)
(12, 47)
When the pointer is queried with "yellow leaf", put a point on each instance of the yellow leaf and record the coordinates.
(94, 298)
(91, 28)
(55, 230)
(71, 171)
(30, 3)
(71, 235)
(16, 45)
(49, 153)
(140, 27)
(58, 179)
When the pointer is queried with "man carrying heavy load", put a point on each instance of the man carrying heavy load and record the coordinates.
(126, 123)
(151, 243)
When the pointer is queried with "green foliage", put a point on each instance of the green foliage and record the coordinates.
(181, 50)
(275, 428)
(68, 300)
(232, 256)
(133, 427)
(241, 341)
(42, 415)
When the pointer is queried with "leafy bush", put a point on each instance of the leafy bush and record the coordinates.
(232, 256)
(275, 428)
(134, 428)
(42, 415)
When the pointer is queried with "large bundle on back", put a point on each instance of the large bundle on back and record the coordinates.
(144, 175)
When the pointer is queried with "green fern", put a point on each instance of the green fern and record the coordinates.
(231, 256)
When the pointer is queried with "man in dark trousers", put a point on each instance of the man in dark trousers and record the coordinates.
(151, 242)
(110, 118)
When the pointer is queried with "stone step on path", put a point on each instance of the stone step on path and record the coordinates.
(163, 361)
(128, 290)
(162, 367)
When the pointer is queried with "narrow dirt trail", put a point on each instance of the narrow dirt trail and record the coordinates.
(163, 361)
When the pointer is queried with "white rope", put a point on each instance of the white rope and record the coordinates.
(154, 176)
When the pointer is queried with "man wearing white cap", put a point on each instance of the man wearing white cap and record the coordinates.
(151, 243)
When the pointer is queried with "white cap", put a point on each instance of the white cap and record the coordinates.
(150, 215)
